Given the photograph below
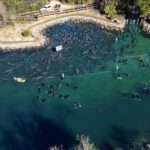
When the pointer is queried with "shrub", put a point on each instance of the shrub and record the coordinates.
(144, 6)
(26, 33)
(111, 10)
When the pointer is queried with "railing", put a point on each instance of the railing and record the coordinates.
(76, 7)
(37, 14)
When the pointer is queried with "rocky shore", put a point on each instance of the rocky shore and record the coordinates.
(11, 38)
(146, 27)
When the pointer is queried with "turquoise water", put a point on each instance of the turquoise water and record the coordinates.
(94, 99)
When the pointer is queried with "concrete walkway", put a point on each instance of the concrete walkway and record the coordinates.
(11, 39)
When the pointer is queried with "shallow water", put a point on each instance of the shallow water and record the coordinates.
(35, 115)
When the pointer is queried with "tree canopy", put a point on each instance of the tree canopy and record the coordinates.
(110, 10)
(144, 6)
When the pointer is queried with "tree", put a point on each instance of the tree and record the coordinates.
(111, 10)
(144, 6)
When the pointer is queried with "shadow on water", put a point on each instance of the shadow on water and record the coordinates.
(119, 137)
(36, 133)
(91, 54)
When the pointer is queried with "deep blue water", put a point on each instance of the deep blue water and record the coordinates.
(44, 111)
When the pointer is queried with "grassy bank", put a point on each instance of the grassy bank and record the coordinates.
(19, 6)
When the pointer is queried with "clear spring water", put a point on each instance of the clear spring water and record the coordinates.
(46, 111)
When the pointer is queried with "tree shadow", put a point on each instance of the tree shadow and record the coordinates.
(119, 137)
(36, 133)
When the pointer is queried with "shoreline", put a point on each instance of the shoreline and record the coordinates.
(39, 27)
(146, 27)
